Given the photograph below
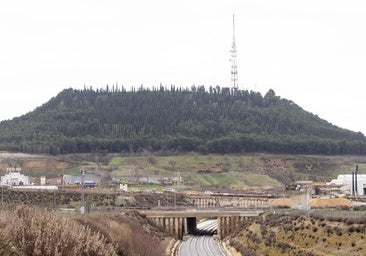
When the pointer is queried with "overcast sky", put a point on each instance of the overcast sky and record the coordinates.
(312, 52)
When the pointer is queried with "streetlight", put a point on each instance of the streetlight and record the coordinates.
(176, 189)
(82, 208)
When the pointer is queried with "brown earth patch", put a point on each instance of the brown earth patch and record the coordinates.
(44, 164)
(37, 164)
(280, 202)
(330, 202)
(213, 169)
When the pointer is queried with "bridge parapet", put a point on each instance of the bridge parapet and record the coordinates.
(212, 201)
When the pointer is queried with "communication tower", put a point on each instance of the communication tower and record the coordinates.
(234, 65)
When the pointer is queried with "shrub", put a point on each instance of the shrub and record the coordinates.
(5, 248)
(358, 229)
(329, 230)
(37, 232)
(270, 239)
(349, 221)
(263, 230)
(152, 159)
(338, 232)
(361, 220)
(344, 208)
(350, 229)
(283, 246)
(125, 233)
(244, 250)
(360, 208)
(253, 237)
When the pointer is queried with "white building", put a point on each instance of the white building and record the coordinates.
(346, 180)
(14, 178)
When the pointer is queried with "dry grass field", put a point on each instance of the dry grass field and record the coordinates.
(292, 234)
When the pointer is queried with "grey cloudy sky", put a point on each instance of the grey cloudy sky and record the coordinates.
(312, 52)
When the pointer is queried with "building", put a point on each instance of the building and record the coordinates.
(89, 179)
(153, 180)
(322, 189)
(14, 178)
(346, 181)
(57, 181)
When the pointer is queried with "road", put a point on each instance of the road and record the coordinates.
(202, 243)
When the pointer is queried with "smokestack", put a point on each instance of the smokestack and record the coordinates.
(354, 180)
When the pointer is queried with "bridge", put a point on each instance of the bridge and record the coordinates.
(182, 222)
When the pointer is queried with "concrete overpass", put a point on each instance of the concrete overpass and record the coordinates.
(182, 222)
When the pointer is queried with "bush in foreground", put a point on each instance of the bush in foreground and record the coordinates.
(126, 233)
(30, 231)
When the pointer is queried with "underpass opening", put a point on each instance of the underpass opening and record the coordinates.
(206, 227)
(191, 225)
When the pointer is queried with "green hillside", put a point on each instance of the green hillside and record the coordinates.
(216, 120)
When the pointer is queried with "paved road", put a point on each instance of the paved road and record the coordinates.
(202, 242)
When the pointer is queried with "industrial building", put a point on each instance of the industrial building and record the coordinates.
(89, 179)
(354, 184)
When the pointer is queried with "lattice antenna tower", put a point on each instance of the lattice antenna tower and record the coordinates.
(234, 65)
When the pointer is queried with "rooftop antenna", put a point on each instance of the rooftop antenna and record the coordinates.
(234, 66)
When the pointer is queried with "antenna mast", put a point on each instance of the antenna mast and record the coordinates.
(234, 66)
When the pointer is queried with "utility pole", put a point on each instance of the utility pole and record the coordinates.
(176, 189)
(82, 208)
(175, 199)
(175, 194)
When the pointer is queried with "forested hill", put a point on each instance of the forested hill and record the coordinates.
(216, 120)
